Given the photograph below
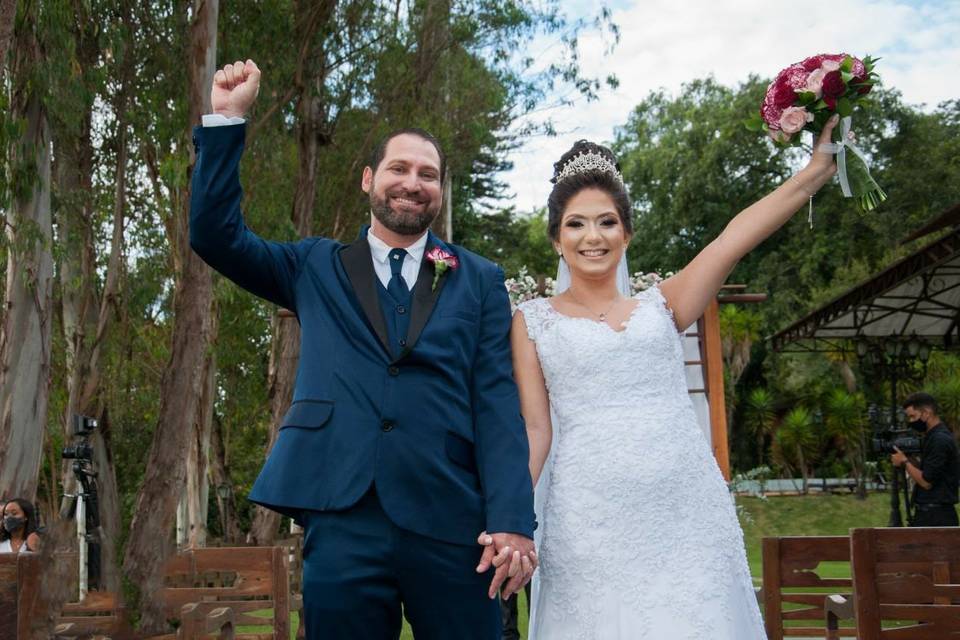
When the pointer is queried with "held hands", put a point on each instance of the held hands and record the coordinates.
(235, 87)
(514, 557)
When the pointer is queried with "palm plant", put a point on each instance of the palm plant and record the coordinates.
(846, 423)
(760, 417)
(797, 437)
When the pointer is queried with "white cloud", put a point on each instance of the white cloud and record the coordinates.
(665, 43)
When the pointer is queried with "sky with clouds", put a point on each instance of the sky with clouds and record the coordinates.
(665, 43)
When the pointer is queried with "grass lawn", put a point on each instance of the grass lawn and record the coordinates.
(813, 515)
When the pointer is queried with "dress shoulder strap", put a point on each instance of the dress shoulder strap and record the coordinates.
(536, 315)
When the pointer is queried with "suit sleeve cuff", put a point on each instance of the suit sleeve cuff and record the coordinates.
(511, 525)
(220, 120)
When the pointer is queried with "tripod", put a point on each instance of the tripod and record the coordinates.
(898, 479)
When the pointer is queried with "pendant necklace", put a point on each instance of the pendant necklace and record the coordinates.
(602, 316)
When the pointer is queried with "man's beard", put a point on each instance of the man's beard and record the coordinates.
(405, 224)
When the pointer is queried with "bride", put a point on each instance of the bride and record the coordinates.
(638, 536)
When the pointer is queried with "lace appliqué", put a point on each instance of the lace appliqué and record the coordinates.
(639, 535)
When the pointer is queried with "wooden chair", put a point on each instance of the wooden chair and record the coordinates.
(242, 579)
(907, 576)
(19, 591)
(789, 576)
(245, 579)
(197, 624)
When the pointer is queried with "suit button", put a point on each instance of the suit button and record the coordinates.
(403, 342)
(386, 425)
(401, 309)
(393, 370)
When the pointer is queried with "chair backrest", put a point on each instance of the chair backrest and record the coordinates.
(245, 579)
(790, 577)
(19, 591)
(909, 579)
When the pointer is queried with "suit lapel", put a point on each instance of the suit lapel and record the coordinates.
(424, 295)
(358, 265)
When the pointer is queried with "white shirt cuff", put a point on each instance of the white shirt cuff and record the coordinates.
(220, 120)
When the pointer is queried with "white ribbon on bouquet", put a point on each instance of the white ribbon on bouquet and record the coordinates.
(847, 141)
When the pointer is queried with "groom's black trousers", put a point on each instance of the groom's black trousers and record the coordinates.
(358, 567)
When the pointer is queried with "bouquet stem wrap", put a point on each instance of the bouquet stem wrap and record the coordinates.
(853, 170)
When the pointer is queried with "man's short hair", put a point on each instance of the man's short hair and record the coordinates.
(921, 400)
(379, 151)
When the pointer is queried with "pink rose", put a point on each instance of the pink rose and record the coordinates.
(829, 65)
(793, 119)
(815, 82)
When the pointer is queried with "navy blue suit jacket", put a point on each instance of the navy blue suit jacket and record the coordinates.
(436, 428)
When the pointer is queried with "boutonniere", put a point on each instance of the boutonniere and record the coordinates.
(442, 260)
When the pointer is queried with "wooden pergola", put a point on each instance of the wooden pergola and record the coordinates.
(917, 297)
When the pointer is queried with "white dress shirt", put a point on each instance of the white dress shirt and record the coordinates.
(379, 250)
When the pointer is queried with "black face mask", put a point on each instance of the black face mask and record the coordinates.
(12, 523)
(918, 425)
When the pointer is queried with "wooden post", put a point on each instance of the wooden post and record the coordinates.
(772, 605)
(714, 383)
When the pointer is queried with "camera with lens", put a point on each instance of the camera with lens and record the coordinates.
(905, 440)
(890, 432)
(83, 426)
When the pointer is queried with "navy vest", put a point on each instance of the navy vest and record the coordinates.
(396, 315)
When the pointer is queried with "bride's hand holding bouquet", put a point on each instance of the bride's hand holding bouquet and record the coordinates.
(805, 96)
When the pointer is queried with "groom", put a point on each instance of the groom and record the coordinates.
(404, 439)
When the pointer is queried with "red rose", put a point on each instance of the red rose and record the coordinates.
(833, 85)
(830, 101)
(812, 63)
(771, 115)
(782, 95)
(864, 89)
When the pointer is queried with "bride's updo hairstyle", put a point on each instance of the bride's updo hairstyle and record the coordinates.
(586, 165)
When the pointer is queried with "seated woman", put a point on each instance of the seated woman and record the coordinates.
(18, 529)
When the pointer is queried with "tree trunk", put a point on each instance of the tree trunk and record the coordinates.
(198, 485)
(284, 356)
(220, 477)
(25, 332)
(285, 347)
(8, 12)
(182, 385)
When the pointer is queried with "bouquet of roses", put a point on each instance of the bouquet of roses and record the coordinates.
(804, 96)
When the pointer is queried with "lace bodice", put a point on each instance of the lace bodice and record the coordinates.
(632, 506)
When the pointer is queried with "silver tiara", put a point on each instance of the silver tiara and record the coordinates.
(588, 161)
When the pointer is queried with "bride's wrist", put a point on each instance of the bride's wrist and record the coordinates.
(807, 184)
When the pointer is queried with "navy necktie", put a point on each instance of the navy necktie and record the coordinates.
(397, 285)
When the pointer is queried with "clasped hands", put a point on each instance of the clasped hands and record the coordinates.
(514, 557)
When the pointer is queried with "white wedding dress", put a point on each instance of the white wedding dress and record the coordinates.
(638, 535)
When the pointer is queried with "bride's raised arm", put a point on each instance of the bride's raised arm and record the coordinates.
(688, 292)
(534, 402)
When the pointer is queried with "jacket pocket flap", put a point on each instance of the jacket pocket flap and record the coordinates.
(308, 414)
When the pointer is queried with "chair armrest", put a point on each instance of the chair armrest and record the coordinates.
(197, 621)
(835, 609)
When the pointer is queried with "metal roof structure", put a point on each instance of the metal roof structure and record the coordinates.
(917, 296)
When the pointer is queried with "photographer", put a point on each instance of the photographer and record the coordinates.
(938, 475)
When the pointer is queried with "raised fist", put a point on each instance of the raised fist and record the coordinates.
(235, 87)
